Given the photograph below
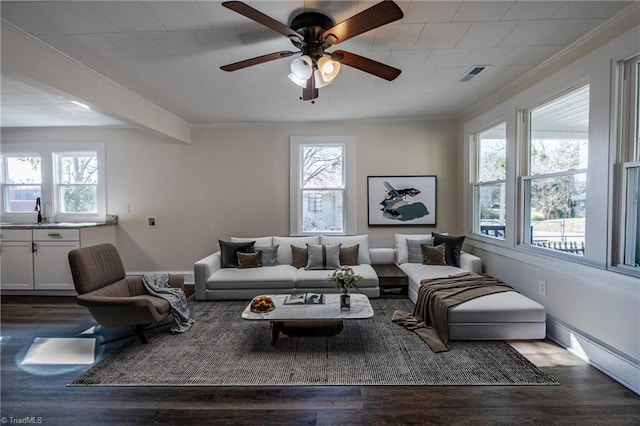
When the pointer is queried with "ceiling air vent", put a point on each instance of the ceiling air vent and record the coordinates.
(474, 72)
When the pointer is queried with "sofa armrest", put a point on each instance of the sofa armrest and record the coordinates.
(202, 270)
(470, 263)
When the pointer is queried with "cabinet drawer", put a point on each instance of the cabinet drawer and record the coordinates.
(56, 235)
(15, 234)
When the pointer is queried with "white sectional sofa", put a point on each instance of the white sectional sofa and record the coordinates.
(508, 315)
(213, 282)
(501, 316)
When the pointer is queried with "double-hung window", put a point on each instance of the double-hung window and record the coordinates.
(629, 144)
(22, 182)
(555, 180)
(489, 184)
(69, 179)
(76, 182)
(322, 185)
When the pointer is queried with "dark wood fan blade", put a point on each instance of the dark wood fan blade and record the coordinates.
(310, 92)
(367, 20)
(261, 18)
(365, 64)
(257, 60)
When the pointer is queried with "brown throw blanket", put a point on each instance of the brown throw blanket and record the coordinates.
(436, 295)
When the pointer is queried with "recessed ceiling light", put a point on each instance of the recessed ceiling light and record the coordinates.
(80, 104)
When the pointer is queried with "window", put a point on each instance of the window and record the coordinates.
(68, 180)
(629, 143)
(321, 190)
(490, 181)
(555, 187)
(23, 182)
(76, 182)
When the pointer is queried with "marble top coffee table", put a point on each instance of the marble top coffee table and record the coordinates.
(311, 319)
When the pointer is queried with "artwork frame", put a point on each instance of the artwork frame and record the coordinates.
(382, 203)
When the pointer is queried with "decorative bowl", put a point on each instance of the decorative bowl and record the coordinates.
(262, 304)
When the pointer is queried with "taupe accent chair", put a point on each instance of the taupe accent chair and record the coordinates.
(114, 299)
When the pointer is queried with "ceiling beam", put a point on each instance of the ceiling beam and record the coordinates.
(23, 56)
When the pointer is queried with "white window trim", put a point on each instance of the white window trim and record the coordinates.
(295, 193)
(49, 203)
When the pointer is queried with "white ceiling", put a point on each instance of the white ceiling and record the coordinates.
(170, 54)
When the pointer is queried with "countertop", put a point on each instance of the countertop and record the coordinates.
(51, 225)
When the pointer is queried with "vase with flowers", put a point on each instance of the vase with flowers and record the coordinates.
(344, 278)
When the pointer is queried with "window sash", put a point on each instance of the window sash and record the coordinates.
(487, 226)
(560, 240)
(345, 187)
(480, 225)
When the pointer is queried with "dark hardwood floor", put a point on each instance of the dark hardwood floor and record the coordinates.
(39, 395)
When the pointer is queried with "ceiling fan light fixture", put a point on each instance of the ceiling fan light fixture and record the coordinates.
(302, 67)
(319, 81)
(298, 81)
(328, 68)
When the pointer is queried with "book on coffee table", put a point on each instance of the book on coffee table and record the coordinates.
(304, 299)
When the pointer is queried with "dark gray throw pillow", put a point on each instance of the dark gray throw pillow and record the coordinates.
(229, 250)
(453, 247)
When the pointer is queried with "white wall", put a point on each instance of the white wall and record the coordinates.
(592, 309)
(234, 180)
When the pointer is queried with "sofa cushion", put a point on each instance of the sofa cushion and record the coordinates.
(351, 240)
(275, 277)
(453, 247)
(229, 250)
(269, 255)
(323, 256)
(506, 307)
(318, 278)
(260, 241)
(285, 243)
(414, 249)
(349, 255)
(402, 251)
(249, 260)
(433, 255)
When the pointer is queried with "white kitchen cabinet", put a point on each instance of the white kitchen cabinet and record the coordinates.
(37, 259)
(17, 260)
(50, 258)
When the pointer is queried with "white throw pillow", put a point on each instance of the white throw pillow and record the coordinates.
(349, 241)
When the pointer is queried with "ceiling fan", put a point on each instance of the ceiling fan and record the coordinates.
(313, 33)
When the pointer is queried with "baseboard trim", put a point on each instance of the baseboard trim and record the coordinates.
(610, 361)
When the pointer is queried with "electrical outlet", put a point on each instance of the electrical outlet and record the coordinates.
(542, 288)
(151, 222)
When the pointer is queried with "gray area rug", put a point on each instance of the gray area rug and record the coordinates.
(222, 349)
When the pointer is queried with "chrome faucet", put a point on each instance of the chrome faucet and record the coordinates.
(38, 208)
